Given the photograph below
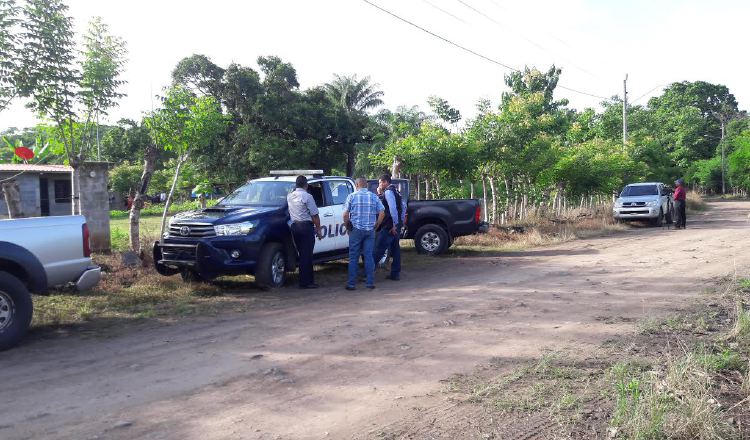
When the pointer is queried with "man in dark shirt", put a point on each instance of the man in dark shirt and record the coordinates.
(680, 197)
(389, 233)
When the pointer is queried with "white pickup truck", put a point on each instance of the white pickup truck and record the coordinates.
(650, 201)
(36, 254)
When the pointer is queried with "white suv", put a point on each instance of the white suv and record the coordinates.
(644, 201)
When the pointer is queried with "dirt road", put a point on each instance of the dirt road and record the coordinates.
(338, 364)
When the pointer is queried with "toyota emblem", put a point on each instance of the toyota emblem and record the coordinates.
(184, 231)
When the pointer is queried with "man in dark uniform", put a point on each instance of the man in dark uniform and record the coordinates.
(305, 226)
(389, 232)
(680, 197)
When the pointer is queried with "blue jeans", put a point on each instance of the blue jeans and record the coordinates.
(386, 240)
(361, 242)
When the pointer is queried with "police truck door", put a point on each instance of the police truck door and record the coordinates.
(339, 190)
(325, 211)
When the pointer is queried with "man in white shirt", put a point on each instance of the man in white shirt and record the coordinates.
(305, 226)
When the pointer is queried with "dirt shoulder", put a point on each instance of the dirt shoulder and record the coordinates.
(341, 365)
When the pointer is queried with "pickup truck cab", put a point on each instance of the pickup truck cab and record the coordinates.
(247, 232)
(644, 201)
(434, 224)
(37, 254)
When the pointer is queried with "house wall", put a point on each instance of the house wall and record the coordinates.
(28, 184)
(55, 208)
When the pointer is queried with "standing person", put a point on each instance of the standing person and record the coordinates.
(679, 204)
(389, 233)
(305, 226)
(365, 212)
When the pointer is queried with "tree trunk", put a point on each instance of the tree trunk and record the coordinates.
(471, 190)
(437, 186)
(350, 162)
(484, 198)
(419, 189)
(494, 201)
(13, 199)
(427, 188)
(180, 162)
(507, 198)
(396, 167)
(149, 163)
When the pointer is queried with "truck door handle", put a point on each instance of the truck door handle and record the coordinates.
(328, 214)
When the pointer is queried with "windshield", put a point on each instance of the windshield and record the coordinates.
(639, 190)
(259, 194)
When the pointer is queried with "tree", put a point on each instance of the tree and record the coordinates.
(183, 124)
(354, 97)
(9, 51)
(49, 77)
(443, 110)
(103, 61)
(200, 75)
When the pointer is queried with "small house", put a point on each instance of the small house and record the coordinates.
(45, 189)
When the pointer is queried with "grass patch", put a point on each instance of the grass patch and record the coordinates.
(540, 232)
(695, 202)
(685, 376)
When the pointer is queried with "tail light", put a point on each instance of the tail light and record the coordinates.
(478, 214)
(86, 244)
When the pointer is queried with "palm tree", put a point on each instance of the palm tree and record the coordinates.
(354, 96)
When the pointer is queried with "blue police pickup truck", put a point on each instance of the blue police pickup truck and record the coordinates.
(248, 232)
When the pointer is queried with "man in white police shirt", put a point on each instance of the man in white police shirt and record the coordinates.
(389, 232)
(305, 226)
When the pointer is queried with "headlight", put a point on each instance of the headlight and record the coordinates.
(651, 203)
(243, 228)
(618, 204)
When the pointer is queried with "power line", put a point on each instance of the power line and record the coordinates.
(528, 40)
(638, 98)
(442, 38)
(473, 52)
(444, 11)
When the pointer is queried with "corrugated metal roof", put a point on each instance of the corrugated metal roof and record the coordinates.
(19, 167)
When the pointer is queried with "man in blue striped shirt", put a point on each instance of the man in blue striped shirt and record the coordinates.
(365, 212)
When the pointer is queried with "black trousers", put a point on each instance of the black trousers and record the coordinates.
(304, 238)
(679, 214)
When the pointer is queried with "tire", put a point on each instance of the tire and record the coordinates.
(658, 221)
(431, 240)
(271, 270)
(16, 309)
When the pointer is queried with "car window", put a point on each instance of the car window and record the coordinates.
(340, 190)
(316, 190)
(259, 193)
(639, 190)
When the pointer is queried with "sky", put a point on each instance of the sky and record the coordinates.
(595, 42)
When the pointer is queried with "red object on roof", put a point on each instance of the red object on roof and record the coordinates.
(24, 153)
(18, 167)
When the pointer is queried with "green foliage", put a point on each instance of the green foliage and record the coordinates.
(103, 61)
(738, 161)
(125, 178)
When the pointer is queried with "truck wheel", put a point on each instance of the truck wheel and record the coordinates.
(431, 240)
(271, 270)
(16, 309)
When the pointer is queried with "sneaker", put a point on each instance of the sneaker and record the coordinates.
(351, 288)
(370, 287)
(392, 278)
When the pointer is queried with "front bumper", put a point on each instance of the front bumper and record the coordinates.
(208, 257)
(89, 278)
(636, 212)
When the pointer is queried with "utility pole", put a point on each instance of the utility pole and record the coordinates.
(625, 110)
